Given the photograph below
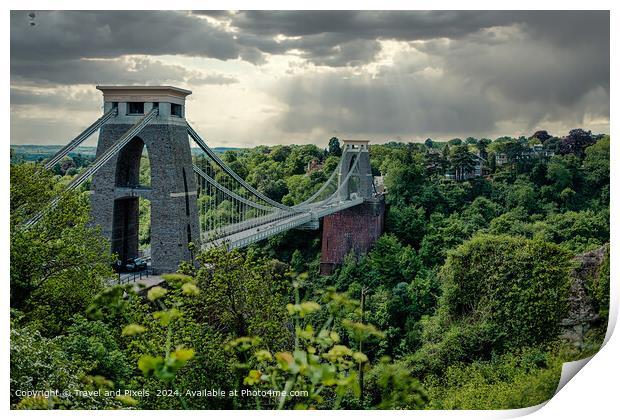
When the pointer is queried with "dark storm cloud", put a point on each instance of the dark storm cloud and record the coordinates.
(455, 87)
(390, 105)
(109, 34)
(368, 24)
(61, 47)
(110, 71)
(334, 51)
(349, 38)
(81, 71)
(341, 38)
(569, 27)
(529, 67)
(416, 105)
(463, 72)
(55, 99)
(331, 38)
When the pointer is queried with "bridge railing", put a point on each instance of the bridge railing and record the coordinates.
(125, 278)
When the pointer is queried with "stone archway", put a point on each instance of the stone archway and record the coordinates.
(126, 209)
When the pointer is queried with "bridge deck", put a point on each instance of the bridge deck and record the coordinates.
(257, 233)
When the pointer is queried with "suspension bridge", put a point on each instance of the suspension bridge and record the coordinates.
(198, 198)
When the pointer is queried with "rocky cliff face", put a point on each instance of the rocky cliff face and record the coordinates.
(585, 303)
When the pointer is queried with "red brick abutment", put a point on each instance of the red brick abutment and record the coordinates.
(351, 230)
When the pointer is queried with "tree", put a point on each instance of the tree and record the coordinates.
(522, 193)
(403, 181)
(383, 260)
(268, 178)
(58, 265)
(299, 188)
(492, 159)
(297, 262)
(542, 136)
(299, 157)
(239, 168)
(391, 263)
(596, 163)
(481, 209)
(428, 143)
(40, 363)
(522, 378)
(576, 142)
(462, 161)
(435, 164)
(445, 152)
(65, 164)
(327, 361)
(576, 231)
(246, 295)
(482, 146)
(514, 151)
(333, 147)
(93, 343)
(540, 271)
(229, 156)
(407, 223)
(499, 293)
(280, 153)
(442, 234)
(564, 172)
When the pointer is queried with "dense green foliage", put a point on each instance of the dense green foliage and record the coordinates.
(463, 294)
(59, 264)
(518, 286)
(499, 293)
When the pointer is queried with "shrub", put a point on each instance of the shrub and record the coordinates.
(519, 285)
(499, 293)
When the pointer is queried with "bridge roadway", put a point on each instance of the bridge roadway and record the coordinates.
(257, 233)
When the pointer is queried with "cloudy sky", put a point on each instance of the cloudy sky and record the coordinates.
(299, 77)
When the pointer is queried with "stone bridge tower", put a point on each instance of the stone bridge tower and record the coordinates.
(357, 228)
(116, 187)
(351, 151)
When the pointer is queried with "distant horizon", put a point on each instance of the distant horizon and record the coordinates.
(327, 140)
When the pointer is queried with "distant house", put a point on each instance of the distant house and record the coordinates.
(501, 159)
(379, 185)
(462, 175)
(313, 165)
(478, 169)
(534, 151)
(537, 150)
